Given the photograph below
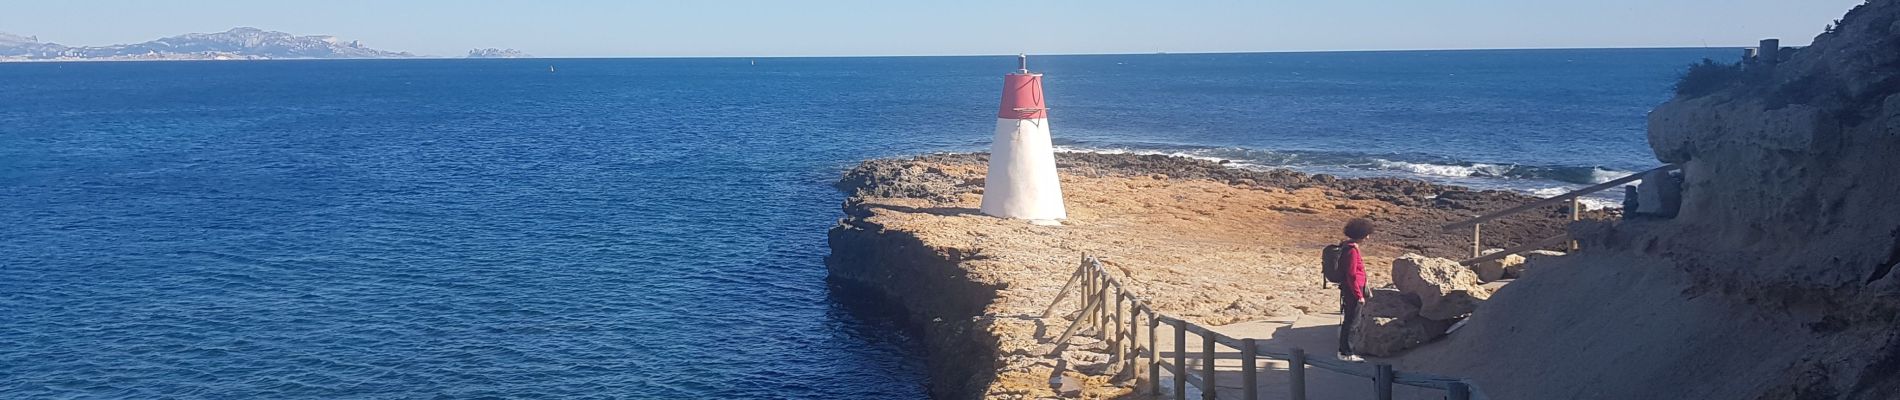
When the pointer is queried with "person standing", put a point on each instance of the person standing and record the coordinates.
(1352, 292)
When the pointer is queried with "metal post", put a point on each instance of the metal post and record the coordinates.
(1207, 366)
(1180, 359)
(1383, 384)
(1477, 242)
(1248, 381)
(1154, 356)
(1458, 391)
(1296, 369)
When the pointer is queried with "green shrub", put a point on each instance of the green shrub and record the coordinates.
(1707, 77)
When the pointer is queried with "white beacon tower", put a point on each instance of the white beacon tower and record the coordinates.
(1022, 181)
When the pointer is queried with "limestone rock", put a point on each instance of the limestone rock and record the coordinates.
(1067, 386)
(1494, 270)
(1444, 289)
(1389, 325)
(1531, 258)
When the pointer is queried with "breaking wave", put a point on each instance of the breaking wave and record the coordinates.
(1537, 180)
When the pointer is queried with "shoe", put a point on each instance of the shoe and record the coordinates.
(1350, 358)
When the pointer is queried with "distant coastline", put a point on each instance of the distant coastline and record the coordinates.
(205, 59)
(236, 44)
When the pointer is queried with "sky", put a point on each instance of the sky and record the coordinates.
(601, 28)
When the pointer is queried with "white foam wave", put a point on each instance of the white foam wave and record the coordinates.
(1069, 149)
(1600, 175)
(1475, 175)
(1455, 171)
(1594, 201)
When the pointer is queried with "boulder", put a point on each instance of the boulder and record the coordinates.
(1389, 324)
(1532, 257)
(1494, 270)
(1444, 289)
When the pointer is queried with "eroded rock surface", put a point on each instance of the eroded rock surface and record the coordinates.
(1200, 241)
(1389, 324)
(1495, 269)
(1443, 288)
(1531, 260)
(1771, 279)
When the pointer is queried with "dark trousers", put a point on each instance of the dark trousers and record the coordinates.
(1349, 311)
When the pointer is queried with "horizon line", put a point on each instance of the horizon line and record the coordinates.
(667, 57)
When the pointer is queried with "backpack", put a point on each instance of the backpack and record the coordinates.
(1330, 267)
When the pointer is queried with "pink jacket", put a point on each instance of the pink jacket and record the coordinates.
(1356, 267)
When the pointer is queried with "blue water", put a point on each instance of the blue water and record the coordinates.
(629, 228)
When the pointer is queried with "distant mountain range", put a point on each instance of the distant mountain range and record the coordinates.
(242, 43)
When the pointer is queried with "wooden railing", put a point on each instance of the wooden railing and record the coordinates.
(1576, 213)
(1117, 315)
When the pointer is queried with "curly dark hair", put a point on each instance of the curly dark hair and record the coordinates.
(1358, 228)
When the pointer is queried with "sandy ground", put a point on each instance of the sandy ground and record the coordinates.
(1215, 250)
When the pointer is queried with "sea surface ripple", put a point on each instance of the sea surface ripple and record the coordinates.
(644, 228)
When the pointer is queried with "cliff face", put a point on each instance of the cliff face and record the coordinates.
(1772, 283)
(1790, 181)
(1790, 196)
(934, 293)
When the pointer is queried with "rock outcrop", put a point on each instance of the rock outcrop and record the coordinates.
(1443, 289)
(1531, 259)
(1389, 324)
(1196, 239)
(1788, 200)
(1495, 269)
(1774, 278)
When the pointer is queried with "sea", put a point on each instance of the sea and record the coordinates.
(635, 228)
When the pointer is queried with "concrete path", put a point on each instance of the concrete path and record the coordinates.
(1317, 334)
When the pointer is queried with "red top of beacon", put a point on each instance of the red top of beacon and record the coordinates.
(1022, 93)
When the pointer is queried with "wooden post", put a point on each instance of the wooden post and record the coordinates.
(1248, 381)
(1207, 366)
(1101, 314)
(1477, 242)
(1062, 341)
(1134, 340)
(1095, 296)
(1180, 359)
(1087, 294)
(1154, 355)
(1296, 369)
(1115, 328)
(1066, 287)
(1576, 214)
(1458, 391)
(1382, 385)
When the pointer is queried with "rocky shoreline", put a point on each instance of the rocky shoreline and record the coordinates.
(973, 285)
